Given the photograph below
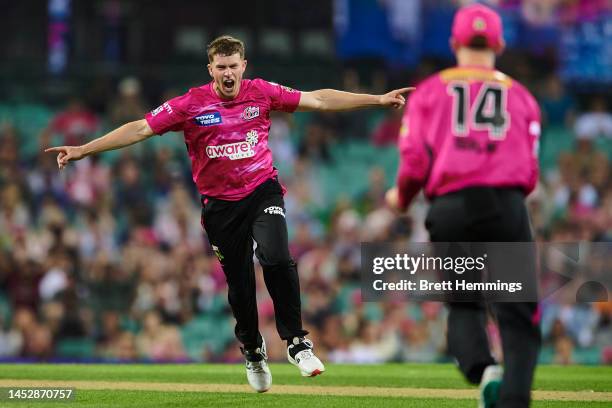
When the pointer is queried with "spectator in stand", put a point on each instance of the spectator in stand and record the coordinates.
(584, 162)
(23, 283)
(418, 346)
(9, 153)
(131, 193)
(564, 351)
(109, 333)
(90, 181)
(75, 124)
(158, 341)
(172, 217)
(11, 340)
(124, 349)
(37, 337)
(387, 131)
(374, 196)
(603, 338)
(603, 218)
(129, 104)
(373, 345)
(315, 144)
(557, 105)
(596, 122)
(572, 11)
(14, 214)
(279, 140)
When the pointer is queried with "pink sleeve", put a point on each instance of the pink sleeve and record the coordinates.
(170, 116)
(534, 127)
(414, 155)
(282, 98)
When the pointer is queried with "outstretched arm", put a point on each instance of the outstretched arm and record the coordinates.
(333, 100)
(128, 134)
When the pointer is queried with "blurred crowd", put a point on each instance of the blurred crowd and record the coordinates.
(110, 253)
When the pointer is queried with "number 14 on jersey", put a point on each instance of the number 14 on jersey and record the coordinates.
(488, 112)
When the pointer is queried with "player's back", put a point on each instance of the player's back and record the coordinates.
(480, 128)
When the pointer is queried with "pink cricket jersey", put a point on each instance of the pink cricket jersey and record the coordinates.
(468, 127)
(227, 140)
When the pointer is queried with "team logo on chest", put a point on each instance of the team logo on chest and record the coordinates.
(235, 151)
(250, 112)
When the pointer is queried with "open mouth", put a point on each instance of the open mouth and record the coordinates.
(228, 85)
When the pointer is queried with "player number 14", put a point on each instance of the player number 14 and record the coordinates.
(487, 113)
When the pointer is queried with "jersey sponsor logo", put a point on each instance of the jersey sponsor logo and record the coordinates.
(250, 112)
(235, 151)
(275, 210)
(208, 119)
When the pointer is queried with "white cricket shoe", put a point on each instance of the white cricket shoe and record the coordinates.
(300, 355)
(257, 370)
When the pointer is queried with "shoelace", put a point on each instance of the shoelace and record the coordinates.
(256, 367)
(261, 351)
(305, 354)
(308, 343)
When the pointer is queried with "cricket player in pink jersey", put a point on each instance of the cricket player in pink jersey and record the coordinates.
(469, 139)
(225, 124)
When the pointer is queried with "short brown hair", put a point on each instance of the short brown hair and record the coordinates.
(225, 45)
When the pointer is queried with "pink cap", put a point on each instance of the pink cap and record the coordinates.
(478, 20)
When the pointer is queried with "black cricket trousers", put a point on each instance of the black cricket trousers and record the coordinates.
(232, 226)
(482, 214)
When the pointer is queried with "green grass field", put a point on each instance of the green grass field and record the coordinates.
(200, 385)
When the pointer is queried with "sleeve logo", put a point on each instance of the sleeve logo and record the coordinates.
(283, 87)
(160, 108)
(155, 111)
